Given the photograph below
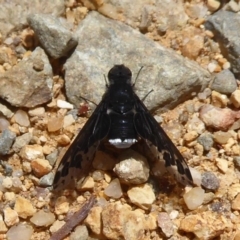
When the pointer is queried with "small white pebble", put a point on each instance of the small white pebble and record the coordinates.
(7, 182)
(64, 104)
(194, 198)
(42, 218)
(114, 189)
(173, 214)
(23, 231)
(21, 118)
(211, 67)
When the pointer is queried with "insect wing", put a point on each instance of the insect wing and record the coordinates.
(79, 156)
(158, 141)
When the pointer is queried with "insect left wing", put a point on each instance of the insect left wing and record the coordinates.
(79, 156)
(150, 131)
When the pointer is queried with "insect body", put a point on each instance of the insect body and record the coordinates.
(122, 119)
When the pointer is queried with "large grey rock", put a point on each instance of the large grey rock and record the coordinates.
(225, 26)
(29, 83)
(14, 13)
(53, 34)
(104, 43)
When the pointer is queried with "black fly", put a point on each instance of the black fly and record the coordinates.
(122, 119)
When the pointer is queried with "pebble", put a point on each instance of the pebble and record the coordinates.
(195, 124)
(236, 203)
(119, 222)
(218, 118)
(210, 181)
(222, 164)
(205, 94)
(63, 140)
(9, 196)
(23, 231)
(114, 189)
(221, 137)
(24, 207)
(236, 161)
(133, 168)
(142, 196)
(42, 218)
(104, 161)
(68, 120)
(233, 6)
(98, 175)
(205, 225)
(56, 225)
(62, 205)
(16, 184)
(46, 180)
(80, 233)
(4, 123)
(194, 198)
(31, 152)
(6, 112)
(7, 182)
(235, 98)
(21, 118)
(54, 124)
(190, 136)
(40, 167)
(39, 111)
(52, 157)
(21, 141)
(206, 140)
(64, 104)
(212, 67)
(165, 223)
(10, 216)
(3, 228)
(213, 5)
(219, 100)
(224, 82)
(94, 220)
(7, 138)
(87, 184)
(208, 197)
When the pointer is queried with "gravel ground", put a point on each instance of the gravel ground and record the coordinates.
(55, 55)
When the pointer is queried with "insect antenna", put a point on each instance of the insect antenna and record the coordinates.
(87, 100)
(137, 76)
(143, 99)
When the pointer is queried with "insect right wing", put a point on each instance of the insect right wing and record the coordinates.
(160, 144)
(80, 154)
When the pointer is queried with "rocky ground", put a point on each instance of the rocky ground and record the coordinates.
(52, 55)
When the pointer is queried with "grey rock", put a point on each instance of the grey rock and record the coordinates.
(21, 141)
(173, 77)
(53, 34)
(6, 111)
(80, 233)
(206, 140)
(210, 181)
(46, 180)
(236, 161)
(225, 26)
(52, 157)
(6, 140)
(168, 14)
(14, 13)
(29, 83)
(7, 167)
(224, 82)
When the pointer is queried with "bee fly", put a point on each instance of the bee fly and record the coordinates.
(122, 119)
